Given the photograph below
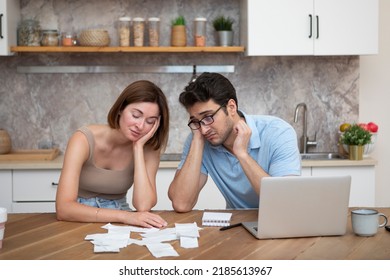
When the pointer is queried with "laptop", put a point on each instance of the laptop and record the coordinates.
(297, 206)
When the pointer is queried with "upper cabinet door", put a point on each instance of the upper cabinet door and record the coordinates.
(9, 18)
(346, 27)
(277, 27)
(309, 27)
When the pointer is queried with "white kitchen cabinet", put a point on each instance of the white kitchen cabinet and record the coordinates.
(362, 192)
(306, 171)
(9, 18)
(34, 190)
(209, 198)
(309, 27)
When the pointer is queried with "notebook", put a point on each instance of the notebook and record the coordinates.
(301, 206)
(216, 219)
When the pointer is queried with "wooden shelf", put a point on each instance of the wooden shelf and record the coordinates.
(163, 49)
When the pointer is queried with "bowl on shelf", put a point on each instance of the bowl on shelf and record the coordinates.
(94, 38)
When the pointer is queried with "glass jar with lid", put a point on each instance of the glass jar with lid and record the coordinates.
(124, 31)
(138, 33)
(68, 39)
(154, 31)
(50, 38)
(29, 33)
(200, 32)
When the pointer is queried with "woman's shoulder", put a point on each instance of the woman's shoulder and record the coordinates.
(93, 130)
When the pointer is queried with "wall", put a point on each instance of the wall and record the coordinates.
(374, 100)
(36, 108)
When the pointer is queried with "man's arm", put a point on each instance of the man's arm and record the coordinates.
(188, 181)
(285, 159)
(252, 169)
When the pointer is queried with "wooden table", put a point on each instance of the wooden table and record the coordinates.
(41, 236)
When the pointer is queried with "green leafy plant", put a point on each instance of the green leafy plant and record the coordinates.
(180, 20)
(223, 23)
(356, 135)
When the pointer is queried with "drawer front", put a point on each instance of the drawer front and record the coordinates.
(35, 185)
(34, 207)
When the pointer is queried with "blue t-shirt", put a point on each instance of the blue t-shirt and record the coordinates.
(273, 145)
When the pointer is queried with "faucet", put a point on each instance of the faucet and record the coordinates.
(193, 77)
(305, 141)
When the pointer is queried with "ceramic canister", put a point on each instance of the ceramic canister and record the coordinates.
(5, 142)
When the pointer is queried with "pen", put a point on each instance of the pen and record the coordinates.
(231, 226)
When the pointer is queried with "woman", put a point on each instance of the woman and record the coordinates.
(102, 162)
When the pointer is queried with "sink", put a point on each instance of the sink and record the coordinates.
(322, 156)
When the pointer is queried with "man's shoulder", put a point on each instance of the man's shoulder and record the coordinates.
(266, 121)
(268, 118)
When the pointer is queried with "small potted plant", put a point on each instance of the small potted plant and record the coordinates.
(224, 28)
(356, 137)
(179, 34)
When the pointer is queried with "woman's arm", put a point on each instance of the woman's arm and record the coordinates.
(69, 209)
(146, 163)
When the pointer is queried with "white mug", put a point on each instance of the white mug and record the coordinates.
(365, 222)
(3, 219)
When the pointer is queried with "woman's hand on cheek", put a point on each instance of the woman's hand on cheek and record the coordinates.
(150, 134)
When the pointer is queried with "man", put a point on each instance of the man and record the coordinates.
(236, 149)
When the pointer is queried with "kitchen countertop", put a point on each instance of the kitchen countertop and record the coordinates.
(169, 164)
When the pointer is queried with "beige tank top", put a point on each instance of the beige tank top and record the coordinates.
(100, 182)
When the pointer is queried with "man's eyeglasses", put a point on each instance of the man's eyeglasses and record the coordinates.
(207, 120)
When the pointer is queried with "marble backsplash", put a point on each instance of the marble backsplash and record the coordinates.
(40, 108)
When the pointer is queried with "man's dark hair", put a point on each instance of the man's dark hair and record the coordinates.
(208, 86)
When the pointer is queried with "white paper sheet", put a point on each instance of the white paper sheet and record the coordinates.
(105, 249)
(114, 228)
(108, 242)
(159, 250)
(188, 242)
(188, 230)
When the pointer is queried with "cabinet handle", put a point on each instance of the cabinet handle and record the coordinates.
(318, 26)
(1, 26)
(54, 184)
(311, 26)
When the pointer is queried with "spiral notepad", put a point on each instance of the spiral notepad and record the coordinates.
(216, 219)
